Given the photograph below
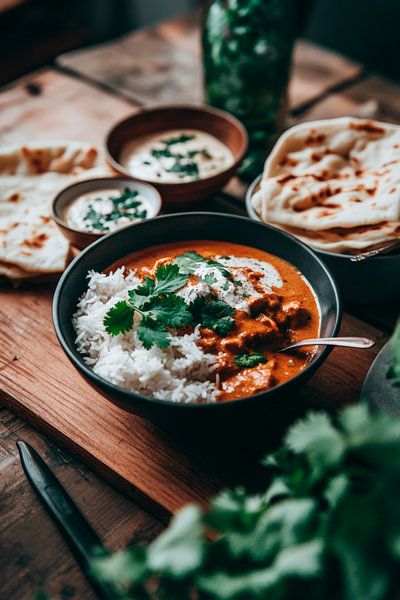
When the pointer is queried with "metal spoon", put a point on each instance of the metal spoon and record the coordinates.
(348, 342)
(384, 249)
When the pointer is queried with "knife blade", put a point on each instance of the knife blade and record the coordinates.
(79, 535)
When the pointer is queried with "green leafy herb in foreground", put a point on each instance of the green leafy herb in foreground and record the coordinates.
(394, 348)
(250, 360)
(327, 527)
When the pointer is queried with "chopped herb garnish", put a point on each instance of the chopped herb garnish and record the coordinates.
(190, 169)
(190, 261)
(249, 360)
(209, 279)
(125, 205)
(213, 314)
(180, 139)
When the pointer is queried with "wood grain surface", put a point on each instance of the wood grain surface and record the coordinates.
(162, 65)
(45, 389)
(33, 554)
(38, 383)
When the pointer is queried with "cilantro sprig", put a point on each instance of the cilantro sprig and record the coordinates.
(155, 303)
(249, 360)
(159, 307)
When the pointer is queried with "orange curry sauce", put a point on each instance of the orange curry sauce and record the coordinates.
(288, 314)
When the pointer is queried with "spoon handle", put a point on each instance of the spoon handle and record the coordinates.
(348, 342)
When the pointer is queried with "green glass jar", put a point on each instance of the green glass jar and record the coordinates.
(247, 50)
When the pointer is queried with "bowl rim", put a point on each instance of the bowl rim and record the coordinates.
(56, 215)
(157, 108)
(129, 395)
(255, 217)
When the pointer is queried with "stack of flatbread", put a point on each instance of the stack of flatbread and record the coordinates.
(335, 184)
(31, 246)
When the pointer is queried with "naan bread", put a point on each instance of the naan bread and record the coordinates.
(335, 184)
(31, 244)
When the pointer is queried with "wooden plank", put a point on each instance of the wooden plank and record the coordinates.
(161, 472)
(48, 105)
(162, 64)
(33, 554)
(115, 443)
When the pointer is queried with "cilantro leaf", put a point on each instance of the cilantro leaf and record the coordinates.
(213, 314)
(146, 289)
(169, 279)
(190, 261)
(250, 360)
(151, 333)
(170, 310)
(209, 279)
(119, 318)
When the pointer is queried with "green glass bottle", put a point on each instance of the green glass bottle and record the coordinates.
(247, 50)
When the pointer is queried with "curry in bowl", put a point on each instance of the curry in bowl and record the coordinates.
(196, 321)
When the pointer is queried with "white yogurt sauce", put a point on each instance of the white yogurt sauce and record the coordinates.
(176, 156)
(237, 290)
(105, 210)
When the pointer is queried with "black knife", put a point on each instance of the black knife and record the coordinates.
(81, 538)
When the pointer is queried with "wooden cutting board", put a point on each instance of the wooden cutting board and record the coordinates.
(38, 383)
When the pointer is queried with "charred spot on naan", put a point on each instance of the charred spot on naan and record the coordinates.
(14, 197)
(36, 241)
(370, 127)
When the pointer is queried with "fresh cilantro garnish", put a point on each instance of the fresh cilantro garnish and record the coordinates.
(249, 360)
(151, 333)
(155, 303)
(119, 318)
(180, 139)
(190, 169)
(169, 279)
(190, 261)
(170, 310)
(124, 205)
(213, 314)
(209, 279)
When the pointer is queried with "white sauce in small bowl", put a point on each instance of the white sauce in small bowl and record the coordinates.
(176, 156)
(106, 210)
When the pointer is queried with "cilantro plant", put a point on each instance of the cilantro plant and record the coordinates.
(328, 526)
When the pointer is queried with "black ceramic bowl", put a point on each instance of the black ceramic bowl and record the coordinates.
(373, 280)
(192, 226)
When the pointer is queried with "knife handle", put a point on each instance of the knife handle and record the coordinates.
(77, 532)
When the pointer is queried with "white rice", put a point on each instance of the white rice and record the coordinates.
(180, 373)
(183, 372)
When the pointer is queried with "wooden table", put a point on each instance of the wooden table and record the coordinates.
(78, 98)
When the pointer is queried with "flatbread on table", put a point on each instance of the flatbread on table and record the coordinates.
(31, 245)
(335, 184)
